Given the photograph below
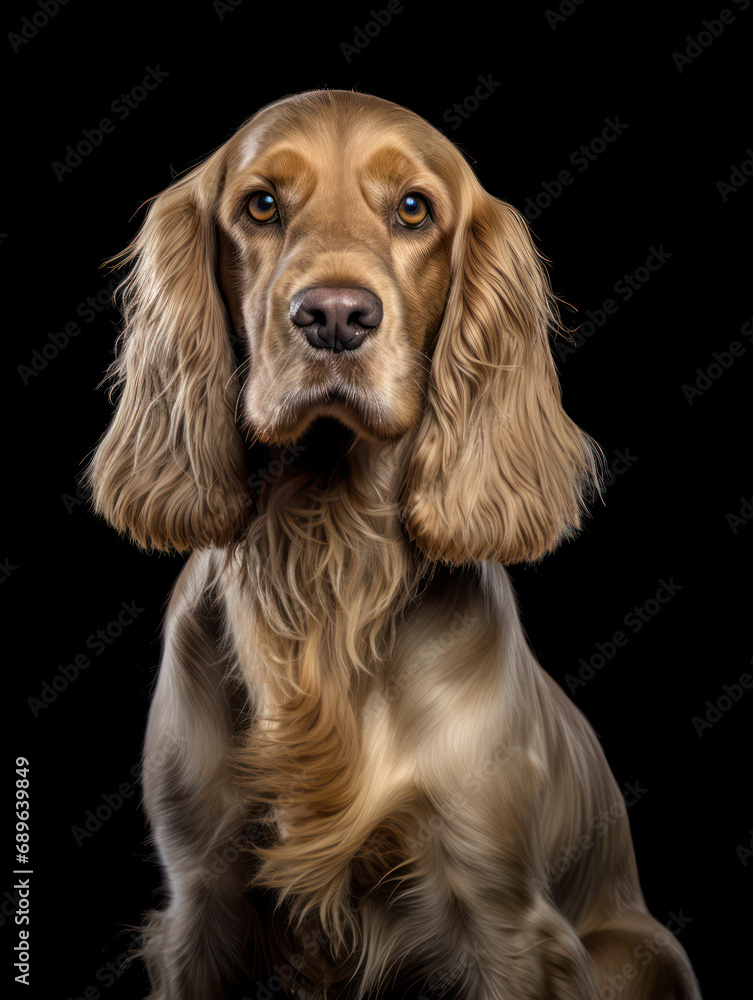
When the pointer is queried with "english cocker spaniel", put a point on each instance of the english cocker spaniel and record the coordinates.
(337, 393)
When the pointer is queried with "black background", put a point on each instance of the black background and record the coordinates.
(664, 517)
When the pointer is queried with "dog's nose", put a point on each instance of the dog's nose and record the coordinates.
(336, 319)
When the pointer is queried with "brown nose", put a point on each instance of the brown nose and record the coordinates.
(336, 319)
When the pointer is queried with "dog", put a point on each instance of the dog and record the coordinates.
(354, 769)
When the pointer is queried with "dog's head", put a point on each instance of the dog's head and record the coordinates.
(336, 220)
(349, 250)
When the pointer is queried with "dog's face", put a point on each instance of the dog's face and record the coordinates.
(349, 247)
(335, 262)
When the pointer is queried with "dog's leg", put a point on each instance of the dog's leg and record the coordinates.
(192, 946)
(511, 941)
(639, 959)
(467, 910)
(468, 901)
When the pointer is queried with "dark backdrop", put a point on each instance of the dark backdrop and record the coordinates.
(639, 218)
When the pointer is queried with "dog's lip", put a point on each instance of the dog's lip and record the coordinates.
(333, 386)
(335, 398)
(336, 394)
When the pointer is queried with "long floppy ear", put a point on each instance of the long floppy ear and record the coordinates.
(170, 469)
(499, 471)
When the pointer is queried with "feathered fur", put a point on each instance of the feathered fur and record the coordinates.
(353, 763)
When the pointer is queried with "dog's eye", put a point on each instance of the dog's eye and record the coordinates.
(412, 210)
(262, 207)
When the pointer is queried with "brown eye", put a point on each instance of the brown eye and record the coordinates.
(412, 210)
(262, 207)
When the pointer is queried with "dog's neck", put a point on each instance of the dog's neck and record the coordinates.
(329, 573)
(328, 555)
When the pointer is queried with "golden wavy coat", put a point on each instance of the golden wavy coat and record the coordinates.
(352, 754)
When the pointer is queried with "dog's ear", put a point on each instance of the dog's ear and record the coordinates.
(499, 471)
(170, 468)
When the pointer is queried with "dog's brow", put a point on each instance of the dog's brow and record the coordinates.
(391, 164)
(286, 167)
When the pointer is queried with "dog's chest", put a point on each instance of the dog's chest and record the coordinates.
(362, 823)
(413, 736)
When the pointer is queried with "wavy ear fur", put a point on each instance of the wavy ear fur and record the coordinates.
(170, 468)
(499, 471)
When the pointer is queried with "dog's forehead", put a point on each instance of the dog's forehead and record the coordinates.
(327, 129)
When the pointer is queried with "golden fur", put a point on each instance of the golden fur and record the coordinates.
(348, 721)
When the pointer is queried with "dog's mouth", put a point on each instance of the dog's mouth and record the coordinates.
(348, 405)
(341, 395)
(340, 398)
(324, 444)
(283, 409)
